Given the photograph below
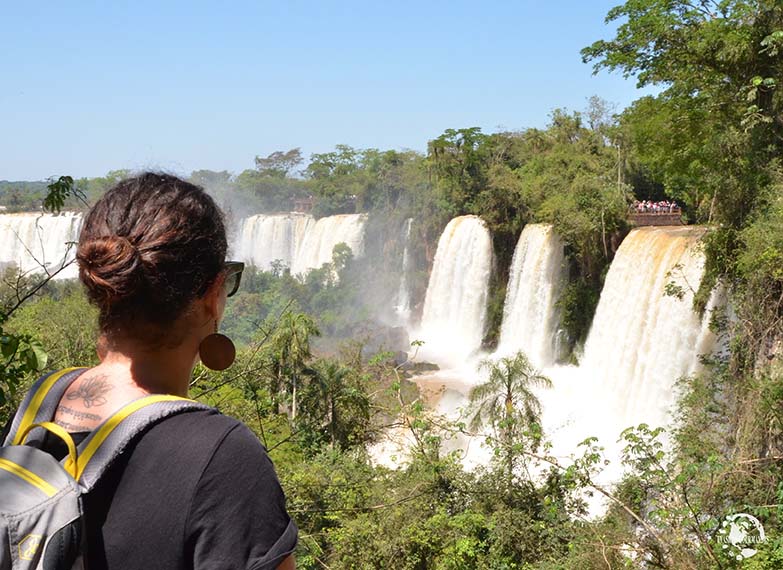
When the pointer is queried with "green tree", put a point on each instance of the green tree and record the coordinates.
(718, 124)
(210, 178)
(570, 182)
(458, 165)
(64, 324)
(94, 188)
(289, 353)
(506, 401)
(338, 178)
(280, 163)
(267, 191)
(336, 404)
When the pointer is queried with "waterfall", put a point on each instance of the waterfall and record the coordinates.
(267, 238)
(31, 240)
(530, 316)
(403, 304)
(298, 240)
(455, 304)
(642, 340)
(320, 238)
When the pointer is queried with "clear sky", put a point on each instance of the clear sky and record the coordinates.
(88, 86)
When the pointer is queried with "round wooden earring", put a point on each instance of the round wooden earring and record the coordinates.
(217, 351)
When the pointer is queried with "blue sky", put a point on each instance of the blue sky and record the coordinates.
(87, 87)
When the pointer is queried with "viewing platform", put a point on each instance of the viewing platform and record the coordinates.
(304, 205)
(655, 213)
(656, 219)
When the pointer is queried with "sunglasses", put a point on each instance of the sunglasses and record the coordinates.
(233, 271)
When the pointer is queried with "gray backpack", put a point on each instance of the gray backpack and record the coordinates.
(41, 511)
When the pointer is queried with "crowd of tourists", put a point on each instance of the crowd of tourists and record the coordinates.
(659, 207)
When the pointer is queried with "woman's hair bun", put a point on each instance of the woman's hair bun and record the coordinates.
(110, 267)
(148, 248)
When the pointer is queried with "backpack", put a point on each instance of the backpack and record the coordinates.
(41, 506)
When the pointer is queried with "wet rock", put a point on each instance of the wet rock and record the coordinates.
(420, 367)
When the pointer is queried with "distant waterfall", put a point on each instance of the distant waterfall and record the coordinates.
(403, 305)
(267, 238)
(455, 305)
(641, 339)
(298, 240)
(31, 240)
(320, 239)
(530, 316)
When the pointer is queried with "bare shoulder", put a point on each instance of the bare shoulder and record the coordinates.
(92, 398)
(86, 402)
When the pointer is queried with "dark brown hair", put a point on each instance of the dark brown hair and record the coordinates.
(148, 248)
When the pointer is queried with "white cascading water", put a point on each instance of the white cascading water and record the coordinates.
(452, 327)
(402, 306)
(530, 315)
(270, 237)
(33, 240)
(298, 240)
(640, 343)
(642, 339)
(455, 305)
(321, 237)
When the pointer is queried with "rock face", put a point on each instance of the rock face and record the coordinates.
(399, 358)
(419, 367)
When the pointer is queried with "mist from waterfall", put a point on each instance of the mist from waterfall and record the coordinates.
(536, 278)
(297, 240)
(34, 241)
(455, 305)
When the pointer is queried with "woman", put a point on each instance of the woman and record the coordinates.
(197, 490)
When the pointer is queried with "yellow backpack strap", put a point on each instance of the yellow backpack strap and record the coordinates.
(41, 402)
(28, 476)
(60, 432)
(108, 440)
